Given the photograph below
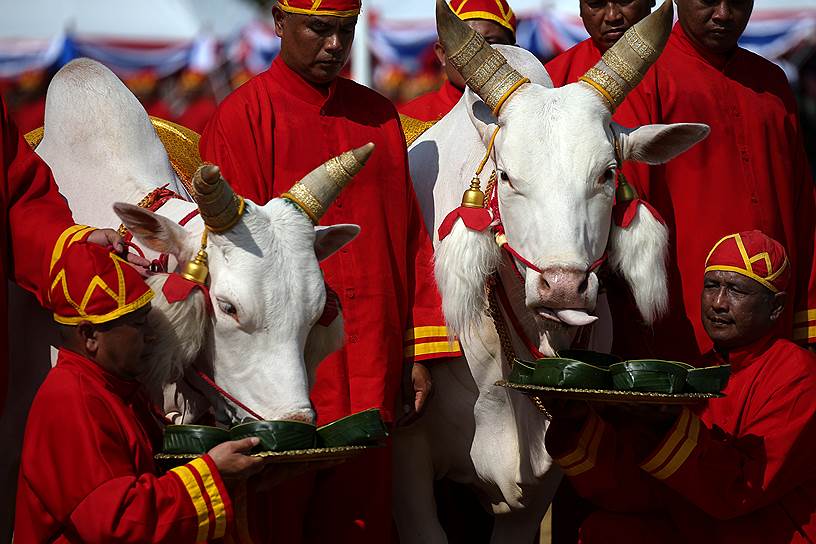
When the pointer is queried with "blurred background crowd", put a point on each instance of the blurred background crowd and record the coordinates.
(181, 57)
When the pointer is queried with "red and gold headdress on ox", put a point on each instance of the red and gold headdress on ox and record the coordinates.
(89, 283)
(498, 11)
(754, 255)
(336, 8)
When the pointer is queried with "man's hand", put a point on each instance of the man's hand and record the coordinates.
(110, 238)
(232, 460)
(423, 389)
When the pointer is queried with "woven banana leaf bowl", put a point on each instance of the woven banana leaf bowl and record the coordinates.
(587, 374)
(281, 441)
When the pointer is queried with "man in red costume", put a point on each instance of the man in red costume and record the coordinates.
(37, 216)
(269, 133)
(738, 469)
(493, 19)
(87, 472)
(753, 159)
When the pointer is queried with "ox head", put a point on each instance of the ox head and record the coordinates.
(556, 153)
(266, 290)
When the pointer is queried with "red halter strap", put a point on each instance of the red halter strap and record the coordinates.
(209, 381)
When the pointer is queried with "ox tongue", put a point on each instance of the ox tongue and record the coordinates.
(576, 318)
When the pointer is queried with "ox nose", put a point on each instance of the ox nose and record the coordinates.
(561, 287)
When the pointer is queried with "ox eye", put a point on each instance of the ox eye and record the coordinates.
(228, 308)
(607, 177)
(503, 175)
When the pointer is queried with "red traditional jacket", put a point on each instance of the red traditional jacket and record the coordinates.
(739, 471)
(87, 472)
(433, 106)
(750, 173)
(275, 129)
(35, 216)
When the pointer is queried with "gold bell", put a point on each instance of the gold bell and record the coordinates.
(474, 197)
(624, 192)
(197, 269)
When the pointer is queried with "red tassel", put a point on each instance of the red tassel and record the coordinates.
(624, 212)
(477, 219)
(178, 288)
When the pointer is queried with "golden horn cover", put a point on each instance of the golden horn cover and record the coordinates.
(315, 193)
(484, 69)
(624, 64)
(220, 207)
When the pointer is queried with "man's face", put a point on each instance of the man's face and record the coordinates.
(607, 20)
(492, 32)
(737, 310)
(314, 46)
(122, 346)
(715, 25)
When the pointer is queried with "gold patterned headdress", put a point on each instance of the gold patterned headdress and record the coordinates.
(484, 69)
(315, 192)
(624, 64)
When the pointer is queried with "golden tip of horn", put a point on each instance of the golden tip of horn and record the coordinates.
(363, 152)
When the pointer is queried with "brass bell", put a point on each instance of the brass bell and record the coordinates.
(624, 192)
(474, 197)
(197, 269)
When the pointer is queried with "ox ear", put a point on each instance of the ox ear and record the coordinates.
(657, 144)
(330, 239)
(156, 232)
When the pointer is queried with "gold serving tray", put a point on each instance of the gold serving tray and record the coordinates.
(609, 395)
(292, 456)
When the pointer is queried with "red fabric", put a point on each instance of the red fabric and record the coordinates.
(752, 165)
(197, 113)
(477, 219)
(623, 213)
(752, 254)
(741, 472)
(322, 7)
(29, 115)
(87, 472)
(88, 282)
(275, 129)
(498, 11)
(178, 288)
(36, 214)
(347, 504)
(433, 106)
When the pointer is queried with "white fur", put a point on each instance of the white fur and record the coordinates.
(179, 329)
(638, 252)
(463, 261)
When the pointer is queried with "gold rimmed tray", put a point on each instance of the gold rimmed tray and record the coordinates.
(292, 456)
(608, 395)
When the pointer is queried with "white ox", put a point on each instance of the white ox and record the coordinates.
(261, 343)
(555, 160)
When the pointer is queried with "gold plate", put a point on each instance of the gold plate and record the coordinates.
(609, 395)
(292, 456)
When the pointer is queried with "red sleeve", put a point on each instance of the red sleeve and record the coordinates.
(601, 462)
(37, 213)
(239, 139)
(729, 477)
(426, 337)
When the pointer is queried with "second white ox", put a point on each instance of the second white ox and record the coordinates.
(555, 160)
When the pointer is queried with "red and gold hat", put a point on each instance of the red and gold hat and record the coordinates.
(752, 254)
(498, 11)
(336, 8)
(88, 283)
